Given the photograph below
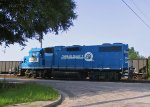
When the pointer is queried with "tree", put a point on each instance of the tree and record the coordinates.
(21, 20)
(149, 65)
(133, 54)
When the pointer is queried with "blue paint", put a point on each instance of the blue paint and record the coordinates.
(95, 57)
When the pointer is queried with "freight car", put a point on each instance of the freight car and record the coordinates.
(140, 69)
(9, 67)
(106, 61)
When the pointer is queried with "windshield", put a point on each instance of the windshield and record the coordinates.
(34, 57)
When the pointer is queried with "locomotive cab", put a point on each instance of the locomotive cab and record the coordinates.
(34, 61)
(35, 58)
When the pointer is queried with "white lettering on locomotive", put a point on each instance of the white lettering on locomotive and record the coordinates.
(88, 56)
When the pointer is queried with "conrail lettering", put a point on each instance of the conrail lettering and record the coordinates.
(72, 57)
(88, 56)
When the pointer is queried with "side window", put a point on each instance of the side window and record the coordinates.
(41, 53)
(24, 60)
(110, 49)
(34, 54)
(48, 50)
(72, 49)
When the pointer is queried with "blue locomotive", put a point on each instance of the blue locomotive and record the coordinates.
(106, 61)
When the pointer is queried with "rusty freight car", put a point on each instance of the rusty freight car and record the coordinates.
(8, 67)
(140, 68)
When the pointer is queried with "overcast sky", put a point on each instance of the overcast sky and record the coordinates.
(98, 22)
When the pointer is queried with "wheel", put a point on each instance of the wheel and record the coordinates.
(35, 75)
(28, 73)
(48, 74)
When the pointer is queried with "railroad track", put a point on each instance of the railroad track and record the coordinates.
(69, 79)
(135, 81)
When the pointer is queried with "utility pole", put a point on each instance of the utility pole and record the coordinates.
(40, 39)
(41, 42)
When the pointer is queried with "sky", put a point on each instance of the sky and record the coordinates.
(98, 22)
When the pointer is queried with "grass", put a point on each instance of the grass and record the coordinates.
(28, 92)
(148, 78)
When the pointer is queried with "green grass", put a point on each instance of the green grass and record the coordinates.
(148, 78)
(19, 93)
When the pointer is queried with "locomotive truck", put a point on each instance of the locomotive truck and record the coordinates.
(96, 62)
